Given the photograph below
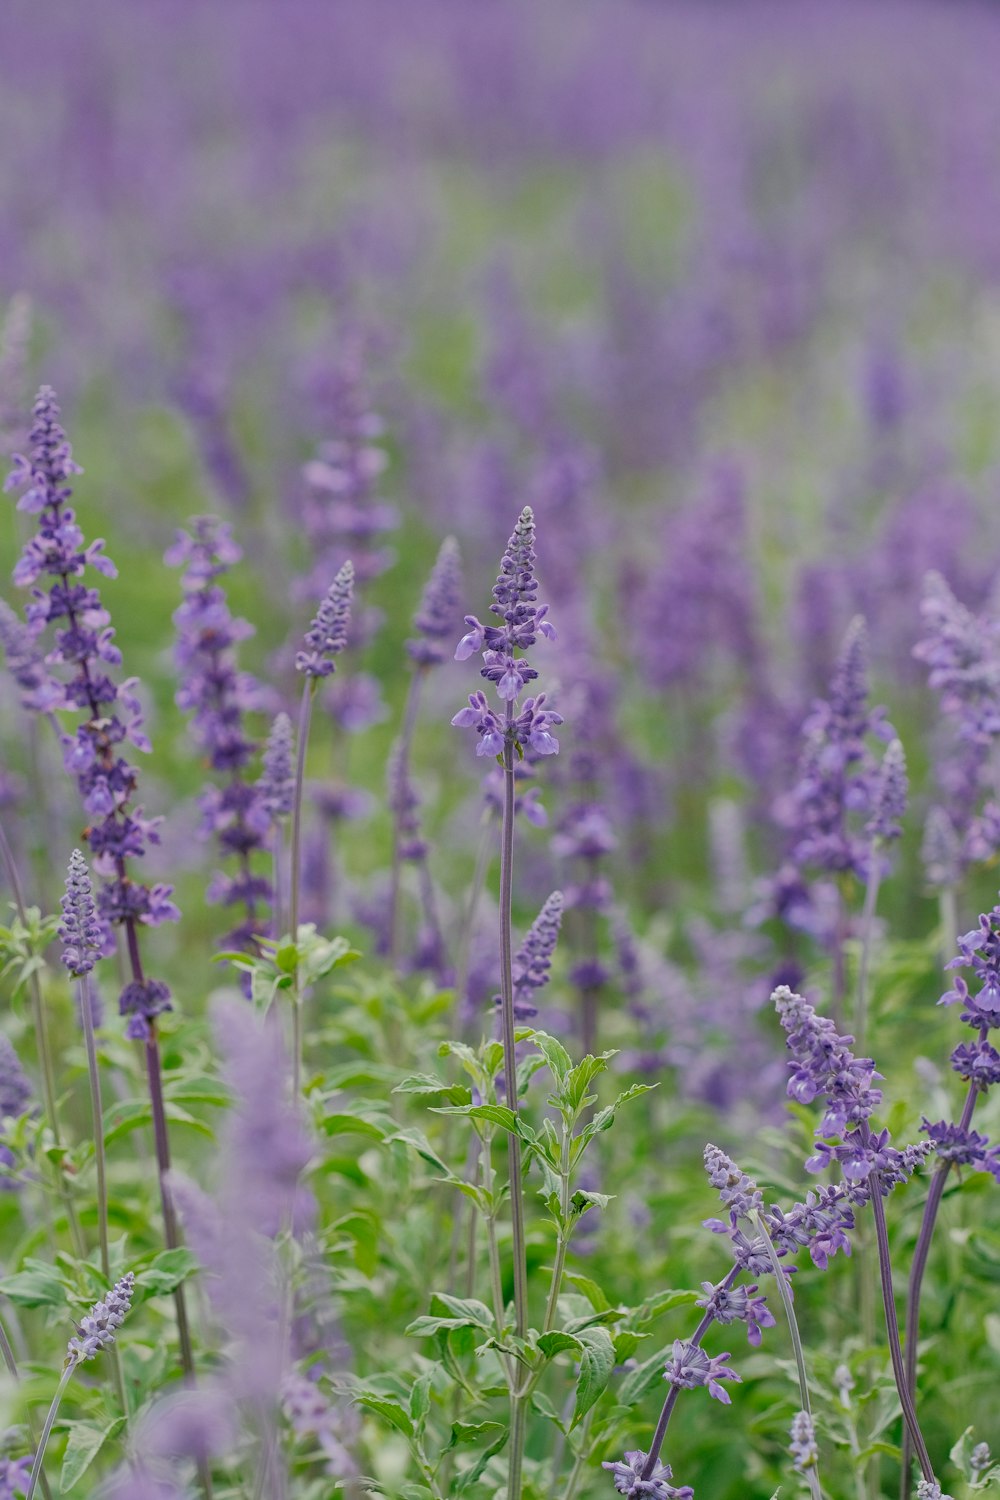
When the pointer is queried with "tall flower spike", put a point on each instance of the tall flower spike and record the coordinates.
(327, 635)
(439, 608)
(80, 929)
(97, 1330)
(15, 1090)
(276, 786)
(802, 1447)
(533, 960)
(890, 794)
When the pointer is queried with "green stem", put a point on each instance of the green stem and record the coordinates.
(305, 717)
(43, 1441)
(811, 1475)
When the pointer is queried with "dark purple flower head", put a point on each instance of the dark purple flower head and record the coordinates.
(515, 594)
(823, 1066)
(978, 1063)
(891, 790)
(533, 960)
(80, 930)
(627, 1473)
(276, 787)
(15, 1090)
(964, 1148)
(689, 1366)
(97, 1330)
(327, 636)
(438, 614)
(979, 950)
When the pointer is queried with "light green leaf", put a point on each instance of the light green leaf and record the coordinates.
(86, 1439)
(596, 1365)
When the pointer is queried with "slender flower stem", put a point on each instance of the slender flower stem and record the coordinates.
(305, 718)
(918, 1267)
(464, 954)
(892, 1327)
(43, 1441)
(518, 1414)
(403, 751)
(811, 1474)
(43, 1047)
(867, 933)
(655, 1448)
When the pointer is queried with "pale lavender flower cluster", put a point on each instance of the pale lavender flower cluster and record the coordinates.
(15, 1090)
(439, 609)
(802, 1446)
(276, 787)
(514, 594)
(84, 643)
(533, 960)
(629, 1481)
(97, 1330)
(327, 635)
(218, 696)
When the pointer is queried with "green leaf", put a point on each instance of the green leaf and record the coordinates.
(498, 1114)
(419, 1142)
(640, 1381)
(605, 1118)
(472, 1476)
(469, 1308)
(554, 1052)
(554, 1343)
(474, 1432)
(167, 1271)
(426, 1083)
(86, 1439)
(389, 1411)
(544, 1407)
(420, 1399)
(198, 1090)
(38, 1286)
(596, 1365)
(593, 1293)
(344, 1124)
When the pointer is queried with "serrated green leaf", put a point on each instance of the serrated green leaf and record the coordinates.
(37, 1286)
(420, 1399)
(344, 1124)
(597, 1362)
(167, 1271)
(593, 1293)
(389, 1411)
(86, 1439)
(640, 1381)
(554, 1343)
(474, 1432)
(427, 1084)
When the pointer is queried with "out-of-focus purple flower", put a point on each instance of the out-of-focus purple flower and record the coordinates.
(689, 1367)
(26, 663)
(941, 850)
(327, 635)
(97, 1330)
(15, 1090)
(802, 1447)
(276, 787)
(312, 1416)
(355, 701)
(199, 1425)
(891, 790)
(436, 619)
(627, 1474)
(80, 930)
(962, 651)
(15, 336)
(14, 1476)
(217, 695)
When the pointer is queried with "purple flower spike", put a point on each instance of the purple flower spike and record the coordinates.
(802, 1447)
(15, 1090)
(80, 930)
(738, 1192)
(533, 960)
(97, 1330)
(327, 636)
(276, 787)
(890, 795)
(439, 608)
(514, 596)
(628, 1479)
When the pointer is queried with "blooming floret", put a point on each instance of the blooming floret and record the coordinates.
(80, 930)
(97, 1330)
(327, 635)
(689, 1366)
(628, 1477)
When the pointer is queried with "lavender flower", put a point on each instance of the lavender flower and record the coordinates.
(15, 1090)
(737, 1304)
(689, 1367)
(218, 695)
(739, 1193)
(961, 650)
(628, 1479)
(929, 1489)
(327, 636)
(276, 787)
(890, 795)
(533, 960)
(14, 1474)
(514, 594)
(85, 643)
(26, 664)
(97, 1330)
(802, 1448)
(439, 608)
(80, 930)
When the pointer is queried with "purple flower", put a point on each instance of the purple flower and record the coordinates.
(739, 1193)
(514, 602)
(961, 650)
(327, 636)
(737, 1304)
(532, 728)
(80, 930)
(979, 950)
(628, 1479)
(84, 645)
(533, 960)
(941, 850)
(15, 1090)
(964, 1148)
(276, 787)
(689, 1366)
(439, 608)
(890, 795)
(97, 1330)
(802, 1447)
(26, 663)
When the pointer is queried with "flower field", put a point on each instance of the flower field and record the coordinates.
(499, 750)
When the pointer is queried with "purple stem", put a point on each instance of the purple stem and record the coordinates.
(668, 1406)
(917, 1270)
